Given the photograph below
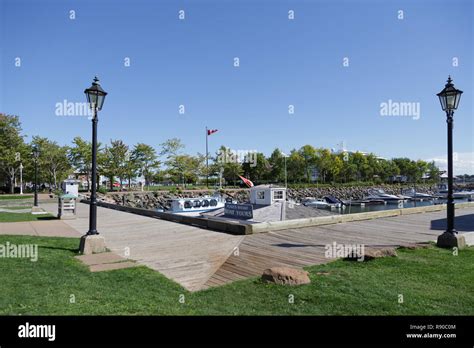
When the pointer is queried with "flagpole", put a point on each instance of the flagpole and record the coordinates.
(207, 159)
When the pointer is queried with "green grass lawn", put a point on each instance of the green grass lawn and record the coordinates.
(14, 197)
(18, 208)
(18, 217)
(432, 282)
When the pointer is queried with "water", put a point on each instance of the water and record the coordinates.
(407, 204)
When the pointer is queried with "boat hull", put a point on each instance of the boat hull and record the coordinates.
(193, 212)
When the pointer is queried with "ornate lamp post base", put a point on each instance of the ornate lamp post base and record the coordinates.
(451, 240)
(449, 98)
(92, 244)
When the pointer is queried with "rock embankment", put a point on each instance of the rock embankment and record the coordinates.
(159, 199)
(353, 192)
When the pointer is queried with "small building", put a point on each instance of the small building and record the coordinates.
(267, 194)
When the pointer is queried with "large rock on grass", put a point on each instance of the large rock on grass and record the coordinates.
(372, 253)
(286, 276)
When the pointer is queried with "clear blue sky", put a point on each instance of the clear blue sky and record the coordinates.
(282, 62)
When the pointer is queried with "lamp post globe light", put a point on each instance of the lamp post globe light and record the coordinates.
(449, 98)
(95, 97)
(36, 154)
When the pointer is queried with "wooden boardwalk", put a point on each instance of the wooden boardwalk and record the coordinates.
(186, 254)
(306, 246)
(198, 258)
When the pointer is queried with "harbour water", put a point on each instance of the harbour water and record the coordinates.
(405, 204)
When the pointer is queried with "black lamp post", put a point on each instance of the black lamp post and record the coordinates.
(95, 97)
(449, 98)
(36, 154)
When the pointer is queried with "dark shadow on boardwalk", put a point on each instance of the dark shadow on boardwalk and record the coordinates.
(463, 223)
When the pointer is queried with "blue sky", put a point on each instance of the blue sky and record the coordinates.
(282, 62)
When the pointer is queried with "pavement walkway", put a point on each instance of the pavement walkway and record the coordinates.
(46, 228)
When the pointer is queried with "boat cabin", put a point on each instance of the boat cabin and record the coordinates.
(267, 194)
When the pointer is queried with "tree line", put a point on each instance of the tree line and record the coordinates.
(123, 164)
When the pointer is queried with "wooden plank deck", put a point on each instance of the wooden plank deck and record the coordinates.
(306, 246)
(198, 258)
(186, 254)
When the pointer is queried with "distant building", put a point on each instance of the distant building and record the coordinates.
(398, 178)
(81, 178)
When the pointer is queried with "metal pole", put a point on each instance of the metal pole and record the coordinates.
(207, 159)
(450, 207)
(414, 191)
(36, 182)
(21, 178)
(93, 200)
(220, 177)
(286, 176)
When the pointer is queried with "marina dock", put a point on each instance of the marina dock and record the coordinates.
(198, 258)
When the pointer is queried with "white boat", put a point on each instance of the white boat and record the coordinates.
(195, 206)
(443, 193)
(319, 203)
(379, 194)
(322, 203)
(412, 194)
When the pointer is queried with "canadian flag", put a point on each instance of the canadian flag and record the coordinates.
(246, 181)
(211, 131)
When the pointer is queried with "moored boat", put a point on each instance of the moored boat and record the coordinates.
(443, 193)
(319, 203)
(414, 195)
(195, 206)
(379, 194)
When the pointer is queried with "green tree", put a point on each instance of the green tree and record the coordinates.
(171, 150)
(258, 168)
(53, 160)
(335, 167)
(115, 163)
(228, 162)
(388, 169)
(12, 147)
(309, 156)
(146, 159)
(80, 156)
(421, 168)
(231, 172)
(296, 167)
(323, 161)
(433, 171)
(131, 168)
(277, 165)
(404, 165)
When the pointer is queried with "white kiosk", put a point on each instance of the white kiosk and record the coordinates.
(70, 187)
(267, 194)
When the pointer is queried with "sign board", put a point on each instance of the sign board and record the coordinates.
(238, 211)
